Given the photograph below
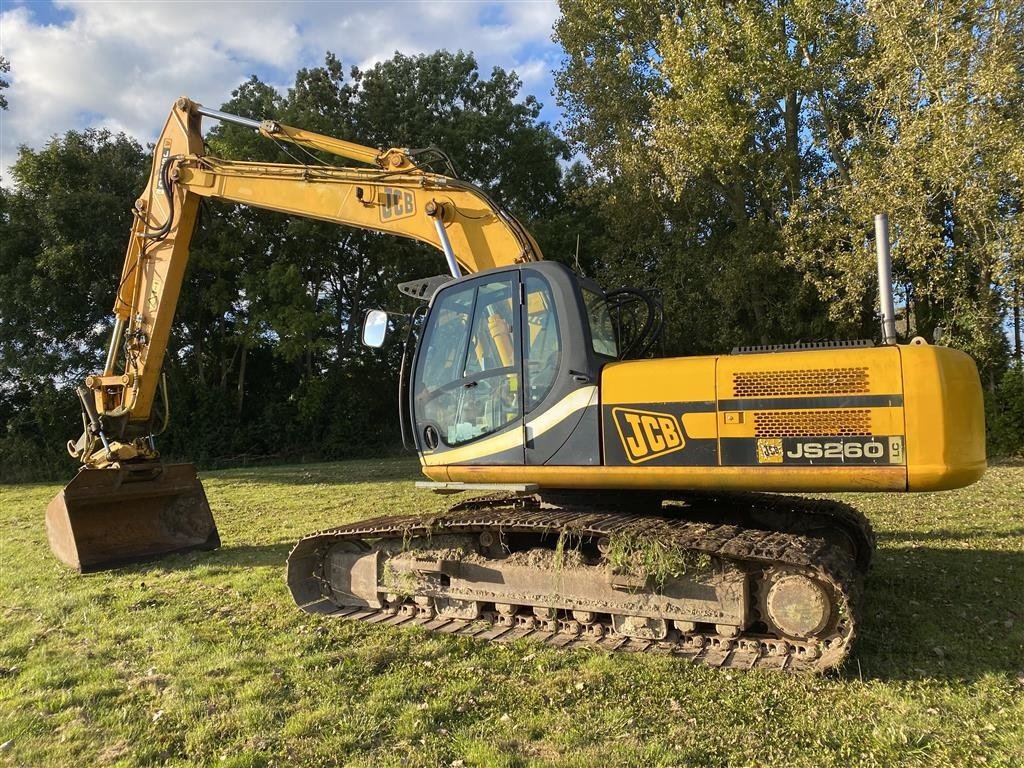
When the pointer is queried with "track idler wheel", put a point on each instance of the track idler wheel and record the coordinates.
(796, 605)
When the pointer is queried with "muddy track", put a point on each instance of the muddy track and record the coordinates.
(759, 553)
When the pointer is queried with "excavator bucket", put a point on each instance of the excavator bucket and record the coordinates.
(109, 517)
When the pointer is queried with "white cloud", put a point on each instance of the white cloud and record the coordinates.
(533, 70)
(121, 64)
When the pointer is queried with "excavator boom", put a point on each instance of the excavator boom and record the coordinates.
(125, 504)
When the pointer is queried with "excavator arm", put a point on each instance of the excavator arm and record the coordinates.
(123, 486)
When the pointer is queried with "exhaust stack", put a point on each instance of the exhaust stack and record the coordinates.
(885, 299)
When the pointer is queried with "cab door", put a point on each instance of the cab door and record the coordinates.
(467, 401)
(561, 368)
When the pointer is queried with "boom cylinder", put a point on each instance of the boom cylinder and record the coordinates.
(436, 213)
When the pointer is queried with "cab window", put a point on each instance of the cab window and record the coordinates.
(601, 329)
(542, 347)
(467, 384)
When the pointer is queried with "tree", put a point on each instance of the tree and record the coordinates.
(263, 357)
(64, 233)
(700, 116)
(942, 154)
(290, 293)
(779, 127)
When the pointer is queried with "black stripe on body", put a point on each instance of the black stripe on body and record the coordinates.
(817, 402)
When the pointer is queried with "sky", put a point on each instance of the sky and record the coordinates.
(120, 65)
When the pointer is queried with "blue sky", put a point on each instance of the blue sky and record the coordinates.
(120, 65)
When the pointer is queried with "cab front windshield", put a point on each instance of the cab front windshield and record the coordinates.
(467, 385)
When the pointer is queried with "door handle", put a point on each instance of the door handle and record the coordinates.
(580, 377)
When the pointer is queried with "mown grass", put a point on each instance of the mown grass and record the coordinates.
(202, 659)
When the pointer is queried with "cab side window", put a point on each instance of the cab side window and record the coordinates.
(542, 346)
(601, 329)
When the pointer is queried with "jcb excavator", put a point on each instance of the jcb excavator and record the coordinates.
(628, 504)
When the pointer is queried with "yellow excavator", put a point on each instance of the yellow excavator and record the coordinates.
(627, 504)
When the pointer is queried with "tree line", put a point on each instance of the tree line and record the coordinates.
(734, 157)
(738, 153)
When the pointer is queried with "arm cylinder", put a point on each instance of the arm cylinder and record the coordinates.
(115, 340)
(224, 117)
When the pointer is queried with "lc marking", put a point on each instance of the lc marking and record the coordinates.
(396, 204)
(647, 434)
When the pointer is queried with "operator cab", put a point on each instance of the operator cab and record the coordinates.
(507, 368)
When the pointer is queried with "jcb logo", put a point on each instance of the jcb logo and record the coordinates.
(646, 435)
(769, 450)
(397, 204)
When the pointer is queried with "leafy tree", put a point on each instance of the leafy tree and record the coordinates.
(1004, 411)
(942, 154)
(699, 117)
(264, 358)
(64, 233)
(291, 292)
(64, 253)
(768, 132)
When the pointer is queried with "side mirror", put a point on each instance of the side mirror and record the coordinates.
(375, 328)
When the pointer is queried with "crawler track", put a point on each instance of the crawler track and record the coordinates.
(760, 554)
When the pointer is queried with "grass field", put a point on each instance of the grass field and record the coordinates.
(202, 659)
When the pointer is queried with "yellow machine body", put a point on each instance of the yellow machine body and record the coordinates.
(893, 418)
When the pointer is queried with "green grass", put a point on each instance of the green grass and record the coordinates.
(202, 659)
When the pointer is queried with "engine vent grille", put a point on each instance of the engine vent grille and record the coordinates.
(812, 423)
(804, 346)
(803, 381)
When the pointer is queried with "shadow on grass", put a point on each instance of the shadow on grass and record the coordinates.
(226, 558)
(943, 613)
(251, 555)
(903, 537)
